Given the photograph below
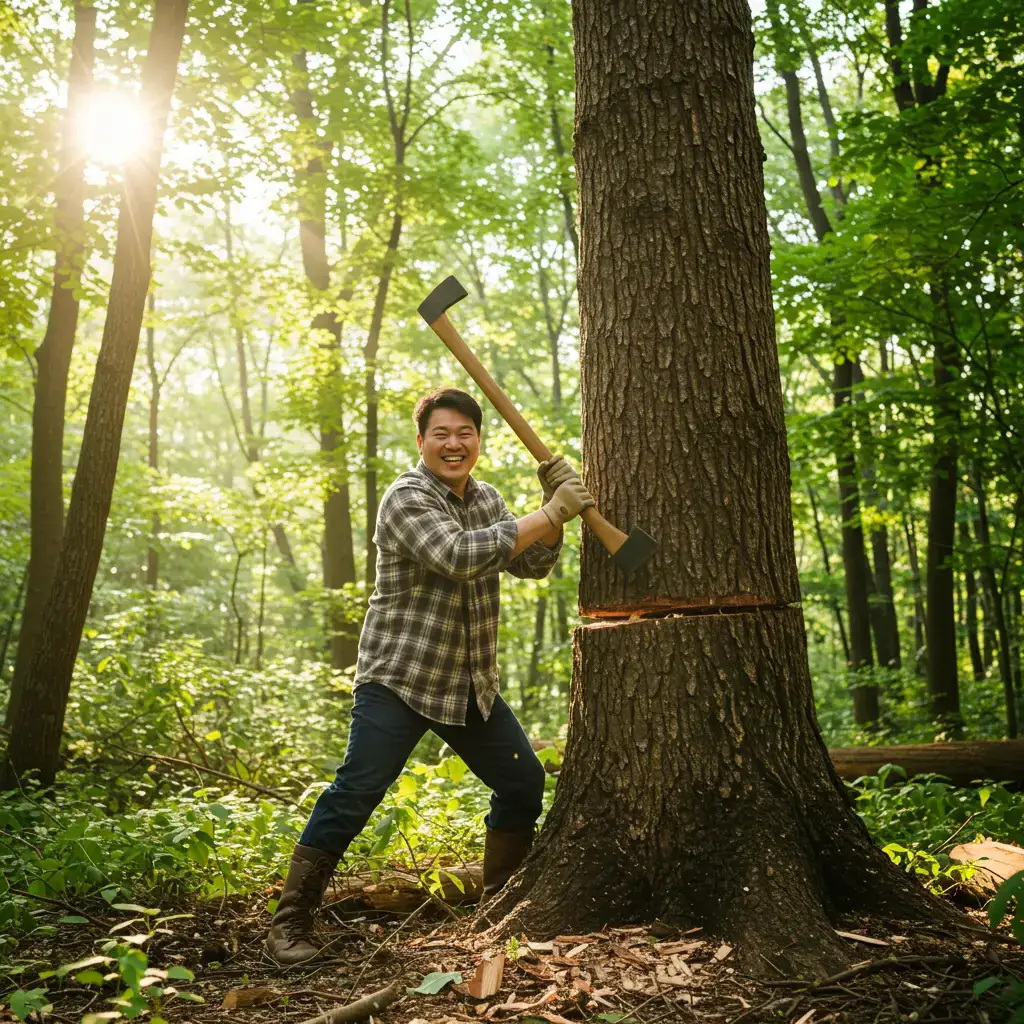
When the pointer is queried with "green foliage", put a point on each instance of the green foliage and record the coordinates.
(917, 822)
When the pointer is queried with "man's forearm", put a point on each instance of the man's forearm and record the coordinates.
(535, 527)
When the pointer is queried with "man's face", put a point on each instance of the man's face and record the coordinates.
(449, 447)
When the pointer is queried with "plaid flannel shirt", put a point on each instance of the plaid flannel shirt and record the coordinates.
(432, 625)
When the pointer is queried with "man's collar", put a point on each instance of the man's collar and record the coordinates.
(441, 488)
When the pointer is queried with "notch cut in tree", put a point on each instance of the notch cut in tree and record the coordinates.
(38, 712)
(695, 787)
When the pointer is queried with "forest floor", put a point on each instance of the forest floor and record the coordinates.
(643, 974)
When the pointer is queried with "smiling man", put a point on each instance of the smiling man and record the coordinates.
(428, 655)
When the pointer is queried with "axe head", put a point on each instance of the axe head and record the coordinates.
(441, 299)
(636, 549)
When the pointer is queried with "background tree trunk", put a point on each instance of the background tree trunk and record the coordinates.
(38, 716)
(53, 357)
(971, 585)
(153, 452)
(692, 737)
(339, 566)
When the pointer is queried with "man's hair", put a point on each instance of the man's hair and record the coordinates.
(446, 398)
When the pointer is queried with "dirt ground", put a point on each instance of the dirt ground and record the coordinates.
(647, 974)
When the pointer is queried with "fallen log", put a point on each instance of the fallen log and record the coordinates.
(963, 763)
(993, 864)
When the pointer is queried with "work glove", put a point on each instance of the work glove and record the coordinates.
(568, 501)
(554, 472)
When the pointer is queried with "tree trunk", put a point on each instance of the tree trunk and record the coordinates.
(964, 764)
(38, 717)
(530, 688)
(971, 584)
(943, 684)
(1018, 675)
(153, 460)
(836, 610)
(338, 553)
(995, 597)
(370, 358)
(692, 737)
(920, 619)
(856, 573)
(53, 357)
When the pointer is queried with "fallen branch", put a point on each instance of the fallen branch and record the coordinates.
(59, 903)
(183, 763)
(370, 1005)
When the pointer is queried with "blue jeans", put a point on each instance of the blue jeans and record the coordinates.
(382, 736)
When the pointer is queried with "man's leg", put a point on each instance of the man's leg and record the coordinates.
(498, 752)
(383, 733)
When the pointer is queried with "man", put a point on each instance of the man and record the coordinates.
(427, 655)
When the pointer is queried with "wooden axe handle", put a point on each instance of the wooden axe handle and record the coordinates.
(610, 536)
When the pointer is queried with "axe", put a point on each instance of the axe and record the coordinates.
(628, 552)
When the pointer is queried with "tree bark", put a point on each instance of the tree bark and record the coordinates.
(38, 716)
(964, 764)
(338, 552)
(971, 584)
(692, 737)
(53, 357)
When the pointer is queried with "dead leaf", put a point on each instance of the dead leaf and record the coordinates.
(805, 1019)
(664, 979)
(487, 980)
(669, 948)
(723, 951)
(241, 998)
(577, 950)
(556, 1018)
(867, 939)
(567, 939)
(582, 985)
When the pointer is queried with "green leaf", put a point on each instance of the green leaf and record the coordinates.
(981, 987)
(89, 961)
(180, 974)
(72, 919)
(134, 908)
(214, 734)
(407, 786)
(191, 997)
(1011, 889)
(23, 1002)
(435, 981)
(100, 1018)
(89, 978)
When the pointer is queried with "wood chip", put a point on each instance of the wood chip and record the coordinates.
(541, 947)
(577, 950)
(538, 971)
(573, 939)
(624, 954)
(682, 967)
(723, 951)
(867, 939)
(669, 948)
(666, 979)
(487, 980)
(806, 1018)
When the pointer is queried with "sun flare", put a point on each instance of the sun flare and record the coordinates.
(113, 128)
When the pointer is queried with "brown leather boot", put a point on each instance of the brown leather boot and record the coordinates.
(291, 939)
(503, 853)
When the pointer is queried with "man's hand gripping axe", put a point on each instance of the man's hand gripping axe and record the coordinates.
(628, 552)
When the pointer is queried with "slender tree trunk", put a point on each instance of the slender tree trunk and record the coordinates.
(153, 552)
(855, 560)
(531, 688)
(53, 357)
(988, 628)
(995, 597)
(370, 358)
(38, 716)
(692, 736)
(338, 552)
(11, 620)
(971, 584)
(836, 610)
(943, 684)
(1018, 675)
(920, 619)
(263, 606)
